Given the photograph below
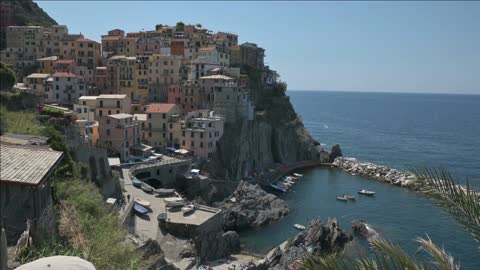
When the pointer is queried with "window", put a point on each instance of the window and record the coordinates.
(108, 132)
(183, 133)
(100, 113)
(192, 134)
(149, 134)
(192, 143)
(164, 116)
(109, 112)
(108, 121)
(149, 116)
(201, 144)
(164, 135)
(201, 135)
(183, 142)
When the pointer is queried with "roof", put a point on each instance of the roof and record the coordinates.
(140, 116)
(86, 40)
(160, 107)
(23, 139)
(101, 68)
(107, 37)
(64, 75)
(26, 165)
(114, 161)
(112, 96)
(50, 58)
(218, 77)
(87, 98)
(38, 76)
(121, 116)
(64, 61)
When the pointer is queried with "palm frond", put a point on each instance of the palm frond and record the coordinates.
(463, 201)
(440, 258)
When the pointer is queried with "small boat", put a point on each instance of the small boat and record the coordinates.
(164, 191)
(188, 208)
(342, 198)
(143, 203)
(136, 182)
(147, 188)
(277, 187)
(174, 201)
(294, 178)
(349, 197)
(366, 192)
(140, 209)
(299, 226)
(298, 175)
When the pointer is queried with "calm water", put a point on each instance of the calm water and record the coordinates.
(399, 130)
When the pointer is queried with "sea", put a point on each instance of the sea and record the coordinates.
(399, 130)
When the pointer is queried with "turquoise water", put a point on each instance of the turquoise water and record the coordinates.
(399, 130)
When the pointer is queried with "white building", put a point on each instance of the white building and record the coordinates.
(65, 88)
(85, 109)
(34, 84)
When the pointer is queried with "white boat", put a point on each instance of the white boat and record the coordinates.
(142, 202)
(298, 175)
(366, 192)
(299, 227)
(342, 198)
(146, 187)
(174, 201)
(188, 208)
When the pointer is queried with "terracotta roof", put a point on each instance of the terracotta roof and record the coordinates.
(86, 40)
(210, 48)
(110, 37)
(64, 75)
(26, 165)
(160, 107)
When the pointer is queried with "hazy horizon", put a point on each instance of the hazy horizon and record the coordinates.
(343, 46)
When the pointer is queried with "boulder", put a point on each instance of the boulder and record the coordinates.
(250, 206)
(334, 153)
(361, 227)
(317, 239)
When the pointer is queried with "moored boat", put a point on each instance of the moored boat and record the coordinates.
(164, 191)
(277, 187)
(142, 202)
(136, 182)
(146, 187)
(188, 208)
(298, 175)
(299, 227)
(140, 209)
(174, 201)
(366, 192)
(342, 198)
(349, 197)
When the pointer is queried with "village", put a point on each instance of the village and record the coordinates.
(141, 110)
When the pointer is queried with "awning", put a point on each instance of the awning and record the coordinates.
(182, 151)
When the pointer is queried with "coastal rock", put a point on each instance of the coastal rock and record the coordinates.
(250, 206)
(334, 153)
(275, 135)
(216, 244)
(377, 172)
(317, 238)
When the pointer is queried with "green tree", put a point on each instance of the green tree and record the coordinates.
(7, 77)
(180, 26)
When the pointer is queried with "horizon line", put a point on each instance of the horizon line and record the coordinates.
(384, 92)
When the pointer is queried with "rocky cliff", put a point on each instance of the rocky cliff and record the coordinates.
(317, 239)
(276, 135)
(250, 206)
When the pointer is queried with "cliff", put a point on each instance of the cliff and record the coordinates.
(276, 135)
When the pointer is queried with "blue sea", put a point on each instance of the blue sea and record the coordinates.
(399, 130)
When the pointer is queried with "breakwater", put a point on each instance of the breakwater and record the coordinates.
(375, 171)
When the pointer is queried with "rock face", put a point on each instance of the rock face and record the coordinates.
(374, 171)
(216, 244)
(334, 153)
(250, 206)
(276, 135)
(319, 238)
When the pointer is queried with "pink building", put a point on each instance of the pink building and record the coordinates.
(119, 132)
(199, 133)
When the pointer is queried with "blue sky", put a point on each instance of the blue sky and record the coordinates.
(337, 46)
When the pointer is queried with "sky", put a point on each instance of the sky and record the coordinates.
(426, 47)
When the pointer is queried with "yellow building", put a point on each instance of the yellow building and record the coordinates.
(159, 124)
(84, 51)
(46, 64)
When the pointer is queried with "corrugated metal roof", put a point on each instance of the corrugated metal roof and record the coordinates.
(26, 165)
